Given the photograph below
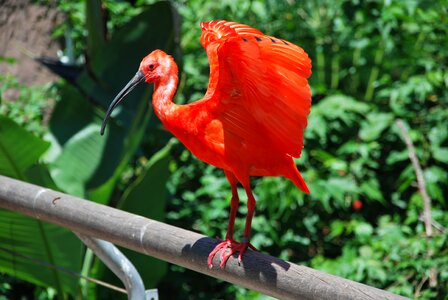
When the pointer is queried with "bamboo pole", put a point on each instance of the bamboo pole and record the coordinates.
(267, 274)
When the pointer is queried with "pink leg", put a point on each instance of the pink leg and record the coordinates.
(229, 242)
(250, 213)
(229, 235)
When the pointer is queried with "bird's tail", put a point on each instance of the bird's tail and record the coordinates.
(297, 179)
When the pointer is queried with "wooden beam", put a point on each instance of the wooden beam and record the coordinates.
(260, 272)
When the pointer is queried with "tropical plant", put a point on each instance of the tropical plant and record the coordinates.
(373, 62)
(74, 158)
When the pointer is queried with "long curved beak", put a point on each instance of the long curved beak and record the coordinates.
(139, 77)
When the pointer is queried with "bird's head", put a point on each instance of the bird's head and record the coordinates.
(152, 68)
(155, 65)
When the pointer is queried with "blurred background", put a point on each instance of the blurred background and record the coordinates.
(373, 62)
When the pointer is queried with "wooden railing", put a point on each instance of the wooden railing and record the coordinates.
(260, 272)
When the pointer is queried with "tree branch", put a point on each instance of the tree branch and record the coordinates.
(420, 178)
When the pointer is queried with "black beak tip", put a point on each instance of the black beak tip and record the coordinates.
(103, 127)
(138, 78)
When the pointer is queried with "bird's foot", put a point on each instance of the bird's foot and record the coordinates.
(229, 247)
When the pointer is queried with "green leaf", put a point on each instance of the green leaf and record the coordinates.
(372, 189)
(19, 149)
(8, 60)
(374, 125)
(343, 108)
(27, 243)
(339, 107)
(366, 252)
(338, 187)
(82, 114)
(152, 182)
(78, 160)
(363, 231)
(40, 175)
(25, 240)
(71, 114)
(337, 228)
(397, 156)
(438, 135)
(154, 28)
(440, 154)
(130, 145)
(111, 68)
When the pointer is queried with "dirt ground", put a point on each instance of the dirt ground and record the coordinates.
(25, 32)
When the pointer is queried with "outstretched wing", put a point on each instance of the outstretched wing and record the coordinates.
(265, 75)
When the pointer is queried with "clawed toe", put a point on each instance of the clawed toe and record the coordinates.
(229, 247)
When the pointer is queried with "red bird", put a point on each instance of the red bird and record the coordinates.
(252, 118)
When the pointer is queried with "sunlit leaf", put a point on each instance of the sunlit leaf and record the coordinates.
(375, 124)
(441, 154)
(19, 149)
(25, 240)
(78, 160)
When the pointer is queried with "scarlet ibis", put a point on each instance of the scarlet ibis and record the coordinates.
(252, 118)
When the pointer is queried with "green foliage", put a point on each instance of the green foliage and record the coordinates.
(373, 252)
(27, 106)
(77, 25)
(83, 163)
(78, 160)
(18, 155)
(372, 63)
(22, 237)
(32, 247)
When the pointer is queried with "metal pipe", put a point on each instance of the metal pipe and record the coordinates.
(118, 263)
(260, 272)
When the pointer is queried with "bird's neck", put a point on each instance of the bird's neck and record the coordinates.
(162, 98)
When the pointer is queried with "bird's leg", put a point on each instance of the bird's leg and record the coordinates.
(233, 210)
(250, 213)
(233, 204)
(229, 242)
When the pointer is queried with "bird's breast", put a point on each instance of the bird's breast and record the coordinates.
(203, 135)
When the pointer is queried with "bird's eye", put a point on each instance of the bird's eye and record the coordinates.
(151, 67)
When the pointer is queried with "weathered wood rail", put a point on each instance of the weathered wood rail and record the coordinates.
(261, 272)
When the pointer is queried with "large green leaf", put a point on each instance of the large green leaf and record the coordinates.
(28, 246)
(81, 156)
(23, 240)
(109, 70)
(72, 115)
(152, 181)
(40, 175)
(114, 66)
(19, 149)
(130, 144)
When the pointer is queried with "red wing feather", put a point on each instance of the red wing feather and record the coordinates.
(214, 31)
(265, 75)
